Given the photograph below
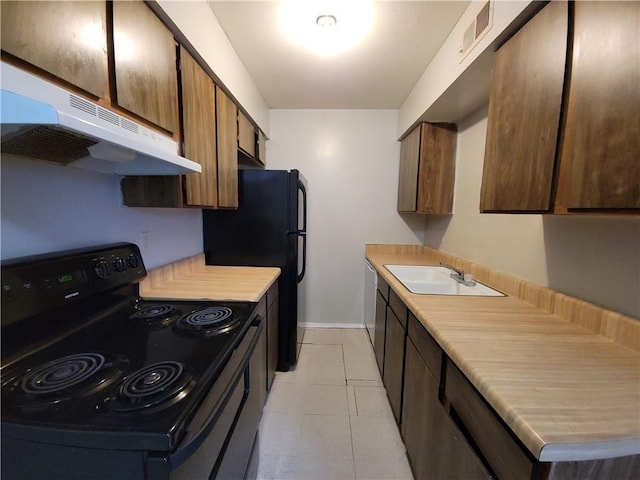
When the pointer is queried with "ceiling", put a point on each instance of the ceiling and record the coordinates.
(379, 72)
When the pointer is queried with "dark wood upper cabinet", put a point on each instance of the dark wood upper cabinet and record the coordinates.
(427, 169)
(199, 125)
(145, 65)
(524, 115)
(246, 135)
(65, 39)
(227, 137)
(564, 113)
(600, 162)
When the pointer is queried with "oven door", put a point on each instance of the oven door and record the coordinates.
(221, 435)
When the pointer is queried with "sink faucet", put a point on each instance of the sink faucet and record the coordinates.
(458, 275)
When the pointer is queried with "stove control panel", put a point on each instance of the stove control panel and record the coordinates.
(32, 285)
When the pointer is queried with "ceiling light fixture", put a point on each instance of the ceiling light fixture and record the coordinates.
(326, 21)
(327, 37)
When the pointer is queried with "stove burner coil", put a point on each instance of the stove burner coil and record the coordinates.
(155, 314)
(62, 373)
(161, 383)
(208, 316)
(209, 321)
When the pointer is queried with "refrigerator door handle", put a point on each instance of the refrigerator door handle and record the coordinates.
(303, 190)
(303, 235)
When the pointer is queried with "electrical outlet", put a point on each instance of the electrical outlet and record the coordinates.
(144, 240)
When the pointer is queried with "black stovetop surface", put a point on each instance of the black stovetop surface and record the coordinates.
(130, 345)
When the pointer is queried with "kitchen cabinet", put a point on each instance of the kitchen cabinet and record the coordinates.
(564, 116)
(393, 371)
(524, 114)
(65, 39)
(246, 135)
(199, 126)
(262, 148)
(210, 138)
(144, 57)
(435, 447)
(600, 161)
(427, 169)
(380, 328)
(272, 333)
(227, 138)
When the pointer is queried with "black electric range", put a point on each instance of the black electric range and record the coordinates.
(98, 383)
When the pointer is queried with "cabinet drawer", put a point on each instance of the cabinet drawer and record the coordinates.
(383, 288)
(502, 451)
(398, 307)
(427, 347)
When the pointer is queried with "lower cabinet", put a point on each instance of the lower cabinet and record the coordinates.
(272, 333)
(435, 447)
(380, 331)
(394, 358)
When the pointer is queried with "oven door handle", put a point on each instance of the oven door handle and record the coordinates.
(187, 449)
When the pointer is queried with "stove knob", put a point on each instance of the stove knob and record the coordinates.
(133, 261)
(102, 269)
(119, 265)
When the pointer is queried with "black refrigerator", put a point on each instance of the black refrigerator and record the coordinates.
(267, 230)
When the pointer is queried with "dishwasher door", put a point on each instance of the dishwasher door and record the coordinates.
(370, 287)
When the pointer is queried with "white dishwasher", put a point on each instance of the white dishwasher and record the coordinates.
(370, 287)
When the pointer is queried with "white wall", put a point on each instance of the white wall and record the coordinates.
(446, 67)
(46, 208)
(350, 161)
(596, 258)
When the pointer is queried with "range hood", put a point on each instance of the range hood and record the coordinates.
(43, 121)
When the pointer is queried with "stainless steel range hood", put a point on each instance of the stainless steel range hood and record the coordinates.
(42, 121)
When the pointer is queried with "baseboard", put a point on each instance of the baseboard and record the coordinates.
(330, 325)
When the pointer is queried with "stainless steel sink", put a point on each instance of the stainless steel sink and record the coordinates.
(432, 280)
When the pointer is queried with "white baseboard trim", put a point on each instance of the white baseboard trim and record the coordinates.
(330, 325)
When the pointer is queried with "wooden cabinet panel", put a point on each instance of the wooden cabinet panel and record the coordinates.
(380, 330)
(436, 449)
(524, 115)
(394, 363)
(272, 334)
(145, 65)
(436, 174)
(227, 137)
(600, 165)
(506, 457)
(399, 308)
(428, 348)
(408, 184)
(246, 135)
(65, 39)
(383, 288)
(262, 148)
(199, 123)
(152, 191)
(427, 169)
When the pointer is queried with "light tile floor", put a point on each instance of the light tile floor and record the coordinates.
(330, 418)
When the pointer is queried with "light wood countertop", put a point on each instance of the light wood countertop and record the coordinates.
(567, 392)
(191, 279)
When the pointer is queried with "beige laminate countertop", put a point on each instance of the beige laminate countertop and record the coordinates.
(569, 394)
(191, 279)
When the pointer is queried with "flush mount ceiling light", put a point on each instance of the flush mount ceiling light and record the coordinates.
(328, 27)
(326, 21)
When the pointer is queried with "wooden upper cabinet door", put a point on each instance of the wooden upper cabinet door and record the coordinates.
(199, 121)
(600, 163)
(524, 115)
(409, 160)
(436, 172)
(145, 65)
(66, 39)
(227, 138)
(246, 135)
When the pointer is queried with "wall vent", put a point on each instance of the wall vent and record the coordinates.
(477, 29)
